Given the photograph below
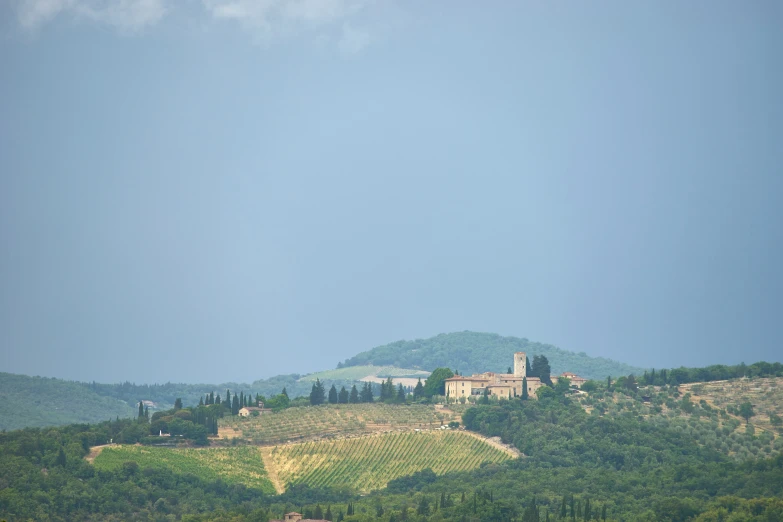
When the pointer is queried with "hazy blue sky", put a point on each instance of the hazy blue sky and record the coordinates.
(231, 189)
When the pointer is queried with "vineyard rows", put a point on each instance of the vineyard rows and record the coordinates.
(368, 463)
(232, 465)
(331, 420)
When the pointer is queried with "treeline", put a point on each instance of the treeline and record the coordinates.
(716, 372)
(388, 393)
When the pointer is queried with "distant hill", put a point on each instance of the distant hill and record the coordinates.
(473, 352)
(40, 401)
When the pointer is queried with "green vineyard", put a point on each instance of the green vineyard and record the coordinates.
(326, 421)
(232, 465)
(368, 463)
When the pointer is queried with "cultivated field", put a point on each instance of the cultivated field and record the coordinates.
(232, 465)
(370, 462)
(709, 412)
(765, 394)
(329, 421)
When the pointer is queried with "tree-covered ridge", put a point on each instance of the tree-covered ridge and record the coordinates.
(473, 352)
(41, 401)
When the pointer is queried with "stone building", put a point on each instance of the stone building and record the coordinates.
(247, 411)
(503, 385)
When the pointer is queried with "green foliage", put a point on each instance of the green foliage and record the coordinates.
(317, 394)
(436, 382)
(40, 401)
(232, 465)
(746, 411)
(473, 352)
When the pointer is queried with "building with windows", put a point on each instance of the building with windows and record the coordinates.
(502, 385)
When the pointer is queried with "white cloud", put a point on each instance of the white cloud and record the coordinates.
(346, 24)
(275, 18)
(128, 15)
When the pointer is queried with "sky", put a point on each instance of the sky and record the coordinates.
(226, 190)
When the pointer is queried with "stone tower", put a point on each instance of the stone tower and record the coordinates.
(520, 364)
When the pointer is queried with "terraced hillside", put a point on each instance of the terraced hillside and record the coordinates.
(368, 463)
(328, 421)
(232, 465)
(709, 412)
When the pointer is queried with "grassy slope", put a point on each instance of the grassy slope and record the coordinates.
(472, 352)
(232, 465)
(367, 463)
(359, 372)
(39, 401)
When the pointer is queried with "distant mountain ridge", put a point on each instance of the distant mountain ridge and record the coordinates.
(475, 352)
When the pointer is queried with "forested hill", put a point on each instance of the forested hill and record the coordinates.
(474, 352)
(41, 401)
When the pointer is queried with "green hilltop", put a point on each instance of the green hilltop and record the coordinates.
(41, 401)
(474, 352)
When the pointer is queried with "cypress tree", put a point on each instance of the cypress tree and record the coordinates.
(418, 391)
(235, 406)
(342, 397)
(609, 383)
(525, 395)
(217, 399)
(603, 513)
(228, 398)
(201, 401)
(563, 509)
(400, 394)
(587, 510)
(178, 404)
(141, 409)
(353, 399)
(333, 395)
(61, 460)
(328, 514)
(317, 395)
(241, 399)
(318, 513)
(284, 393)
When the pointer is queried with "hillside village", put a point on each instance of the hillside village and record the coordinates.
(502, 385)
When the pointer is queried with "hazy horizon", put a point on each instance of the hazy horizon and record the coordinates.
(227, 190)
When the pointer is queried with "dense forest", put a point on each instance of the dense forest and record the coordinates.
(472, 352)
